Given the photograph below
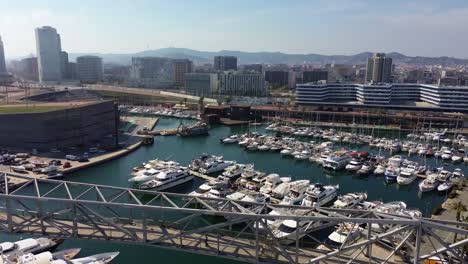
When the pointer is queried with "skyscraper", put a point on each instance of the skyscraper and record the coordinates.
(379, 69)
(2, 58)
(225, 63)
(49, 57)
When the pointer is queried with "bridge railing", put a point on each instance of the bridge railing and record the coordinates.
(240, 230)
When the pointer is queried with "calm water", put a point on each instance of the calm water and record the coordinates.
(184, 150)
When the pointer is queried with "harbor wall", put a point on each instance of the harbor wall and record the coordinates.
(84, 125)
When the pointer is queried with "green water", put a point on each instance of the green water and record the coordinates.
(183, 150)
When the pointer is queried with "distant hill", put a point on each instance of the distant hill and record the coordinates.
(200, 57)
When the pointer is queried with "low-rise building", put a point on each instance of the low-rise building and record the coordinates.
(89, 69)
(455, 97)
(201, 84)
(241, 84)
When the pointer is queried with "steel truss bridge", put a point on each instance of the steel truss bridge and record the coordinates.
(220, 227)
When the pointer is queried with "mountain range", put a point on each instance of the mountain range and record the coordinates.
(200, 57)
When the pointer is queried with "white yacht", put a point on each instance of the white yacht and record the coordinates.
(379, 170)
(445, 186)
(354, 165)
(337, 161)
(145, 175)
(319, 195)
(446, 154)
(216, 192)
(215, 166)
(167, 180)
(203, 189)
(407, 175)
(234, 171)
(391, 173)
(236, 196)
(48, 258)
(429, 184)
(28, 245)
(349, 200)
(366, 169)
(288, 230)
(286, 151)
(272, 181)
(345, 233)
(231, 139)
(296, 193)
(281, 190)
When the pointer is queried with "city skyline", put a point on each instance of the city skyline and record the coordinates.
(415, 28)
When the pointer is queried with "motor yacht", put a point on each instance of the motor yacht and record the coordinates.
(234, 171)
(354, 165)
(216, 166)
(349, 200)
(407, 175)
(48, 258)
(345, 233)
(271, 182)
(337, 161)
(231, 139)
(13, 250)
(379, 170)
(296, 193)
(391, 173)
(289, 230)
(167, 180)
(366, 169)
(447, 154)
(429, 184)
(319, 195)
(281, 190)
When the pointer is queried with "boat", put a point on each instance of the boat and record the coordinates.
(407, 175)
(391, 173)
(203, 189)
(167, 180)
(50, 168)
(289, 230)
(281, 190)
(337, 161)
(446, 154)
(29, 245)
(429, 184)
(344, 233)
(296, 193)
(48, 258)
(197, 129)
(215, 166)
(349, 200)
(379, 170)
(18, 168)
(271, 182)
(230, 139)
(445, 186)
(319, 195)
(366, 169)
(354, 165)
(458, 173)
(145, 175)
(233, 172)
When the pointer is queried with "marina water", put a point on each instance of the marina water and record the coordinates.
(184, 149)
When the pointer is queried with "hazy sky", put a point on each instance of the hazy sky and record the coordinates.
(419, 27)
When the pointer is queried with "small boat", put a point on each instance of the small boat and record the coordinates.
(379, 170)
(366, 169)
(429, 184)
(354, 165)
(19, 168)
(349, 200)
(391, 174)
(345, 233)
(407, 175)
(230, 139)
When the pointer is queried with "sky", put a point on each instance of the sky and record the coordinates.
(331, 27)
